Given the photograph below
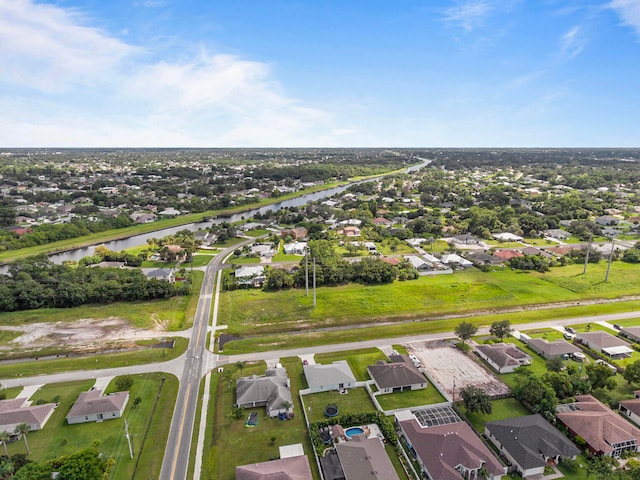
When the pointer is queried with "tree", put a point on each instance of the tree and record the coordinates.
(465, 330)
(632, 372)
(4, 438)
(83, 465)
(535, 394)
(500, 329)
(34, 471)
(23, 429)
(476, 400)
(240, 366)
(600, 376)
(124, 383)
(554, 364)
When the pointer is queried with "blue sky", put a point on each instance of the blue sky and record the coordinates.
(348, 73)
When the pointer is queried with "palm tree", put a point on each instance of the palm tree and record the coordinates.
(4, 438)
(22, 429)
(240, 366)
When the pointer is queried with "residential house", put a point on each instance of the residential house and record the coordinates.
(448, 452)
(297, 233)
(454, 259)
(607, 220)
(92, 406)
(507, 237)
(507, 254)
(169, 212)
(365, 457)
(631, 408)
(350, 231)
(161, 274)
(398, 376)
(143, 217)
(632, 333)
(332, 376)
(416, 242)
(270, 390)
(606, 343)
(18, 411)
(383, 222)
(557, 233)
(263, 250)
(466, 239)
(295, 248)
(536, 251)
(484, 259)
(604, 431)
(420, 264)
(289, 468)
(557, 348)
(250, 275)
(530, 443)
(503, 357)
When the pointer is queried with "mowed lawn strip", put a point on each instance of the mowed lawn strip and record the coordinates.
(356, 401)
(411, 398)
(91, 362)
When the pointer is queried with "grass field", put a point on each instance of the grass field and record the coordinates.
(58, 438)
(243, 260)
(412, 398)
(266, 312)
(356, 401)
(358, 360)
(502, 409)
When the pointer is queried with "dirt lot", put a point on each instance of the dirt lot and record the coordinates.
(86, 334)
(446, 364)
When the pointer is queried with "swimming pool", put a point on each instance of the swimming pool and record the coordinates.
(349, 432)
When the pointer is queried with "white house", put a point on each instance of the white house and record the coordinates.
(92, 406)
(333, 376)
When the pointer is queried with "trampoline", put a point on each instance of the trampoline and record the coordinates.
(331, 410)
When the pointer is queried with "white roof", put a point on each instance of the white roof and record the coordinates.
(249, 271)
(621, 350)
(293, 450)
(331, 374)
(507, 236)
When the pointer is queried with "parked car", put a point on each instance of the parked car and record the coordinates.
(617, 327)
(569, 330)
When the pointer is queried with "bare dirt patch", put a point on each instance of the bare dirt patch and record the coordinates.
(447, 365)
(84, 334)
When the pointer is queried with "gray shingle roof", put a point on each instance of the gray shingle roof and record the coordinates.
(530, 439)
(12, 413)
(364, 458)
(272, 389)
(552, 349)
(332, 374)
(399, 373)
(93, 403)
(292, 468)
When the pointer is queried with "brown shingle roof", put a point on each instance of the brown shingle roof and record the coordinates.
(598, 424)
(400, 373)
(292, 468)
(364, 458)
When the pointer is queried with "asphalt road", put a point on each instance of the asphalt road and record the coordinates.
(176, 458)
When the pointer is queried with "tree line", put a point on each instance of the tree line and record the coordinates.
(36, 282)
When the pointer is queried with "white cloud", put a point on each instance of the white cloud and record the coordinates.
(572, 43)
(46, 47)
(629, 12)
(68, 84)
(469, 15)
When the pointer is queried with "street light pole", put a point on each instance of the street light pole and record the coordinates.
(314, 281)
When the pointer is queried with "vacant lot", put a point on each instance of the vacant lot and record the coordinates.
(448, 365)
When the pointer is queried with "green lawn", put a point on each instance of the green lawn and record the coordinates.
(198, 260)
(243, 260)
(413, 398)
(356, 401)
(401, 248)
(257, 232)
(358, 360)
(58, 438)
(502, 409)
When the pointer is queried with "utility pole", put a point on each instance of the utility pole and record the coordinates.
(306, 269)
(606, 277)
(126, 427)
(314, 281)
(586, 257)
